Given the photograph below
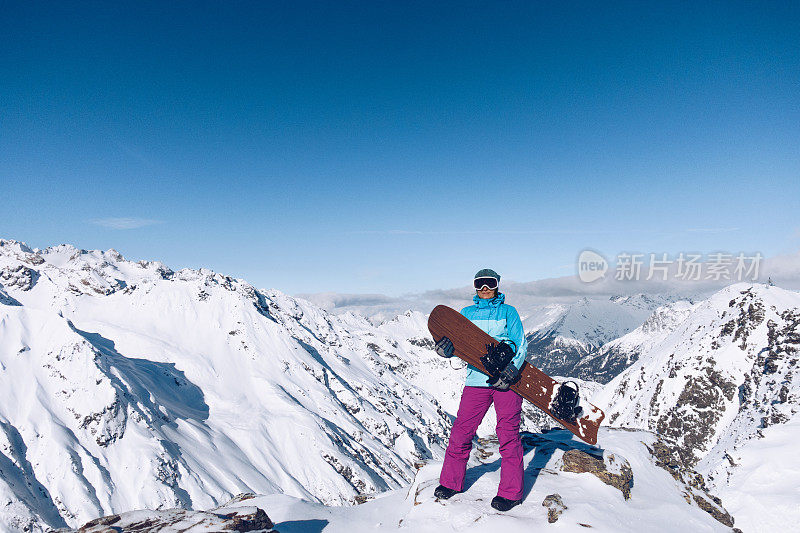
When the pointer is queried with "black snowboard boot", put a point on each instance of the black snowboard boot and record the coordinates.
(443, 493)
(504, 504)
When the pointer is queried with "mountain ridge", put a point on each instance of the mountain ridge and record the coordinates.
(111, 366)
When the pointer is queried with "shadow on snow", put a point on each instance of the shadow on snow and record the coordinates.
(544, 446)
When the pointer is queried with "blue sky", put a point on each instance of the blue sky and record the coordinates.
(394, 147)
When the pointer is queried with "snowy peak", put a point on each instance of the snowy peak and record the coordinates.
(613, 357)
(108, 367)
(720, 344)
(593, 322)
(619, 315)
(718, 382)
(578, 330)
(66, 268)
(18, 265)
(10, 246)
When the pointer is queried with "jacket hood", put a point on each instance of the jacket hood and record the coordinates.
(492, 302)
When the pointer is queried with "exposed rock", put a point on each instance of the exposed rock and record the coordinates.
(239, 498)
(612, 469)
(102, 521)
(232, 519)
(693, 419)
(555, 506)
(252, 521)
(694, 484)
(422, 342)
(363, 498)
(19, 276)
(714, 509)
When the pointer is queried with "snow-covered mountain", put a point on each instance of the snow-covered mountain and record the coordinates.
(562, 336)
(719, 381)
(606, 362)
(127, 385)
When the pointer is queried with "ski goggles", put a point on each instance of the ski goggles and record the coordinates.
(480, 283)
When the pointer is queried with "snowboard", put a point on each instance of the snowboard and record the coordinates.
(470, 344)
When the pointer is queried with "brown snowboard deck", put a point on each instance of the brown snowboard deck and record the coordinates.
(534, 385)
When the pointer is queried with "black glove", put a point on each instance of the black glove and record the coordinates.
(507, 377)
(444, 347)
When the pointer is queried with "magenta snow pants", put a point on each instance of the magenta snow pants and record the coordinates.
(475, 401)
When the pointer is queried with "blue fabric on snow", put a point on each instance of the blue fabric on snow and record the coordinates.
(501, 321)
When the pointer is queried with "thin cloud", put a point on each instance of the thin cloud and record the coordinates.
(538, 232)
(784, 271)
(124, 222)
(478, 232)
(711, 230)
(331, 300)
(136, 154)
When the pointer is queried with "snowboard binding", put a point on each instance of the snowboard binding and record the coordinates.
(498, 356)
(565, 404)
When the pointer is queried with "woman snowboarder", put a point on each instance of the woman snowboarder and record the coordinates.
(502, 322)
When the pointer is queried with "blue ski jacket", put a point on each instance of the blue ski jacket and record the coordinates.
(501, 321)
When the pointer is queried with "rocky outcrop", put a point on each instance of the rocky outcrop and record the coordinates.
(694, 485)
(18, 276)
(721, 376)
(611, 469)
(240, 519)
(555, 506)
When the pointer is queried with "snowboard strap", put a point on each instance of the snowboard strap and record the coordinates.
(565, 404)
(498, 356)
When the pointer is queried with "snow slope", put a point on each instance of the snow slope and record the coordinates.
(127, 385)
(721, 385)
(658, 501)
